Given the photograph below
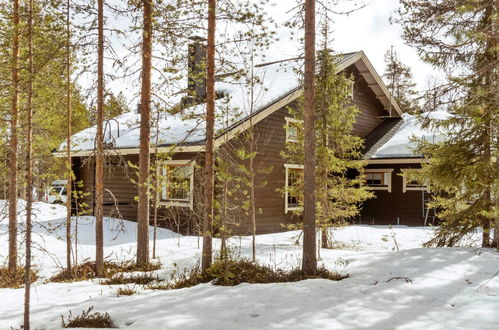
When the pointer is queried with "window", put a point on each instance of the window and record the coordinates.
(379, 178)
(351, 90)
(293, 193)
(409, 183)
(292, 126)
(179, 183)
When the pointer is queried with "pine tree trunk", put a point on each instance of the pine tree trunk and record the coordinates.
(496, 99)
(29, 173)
(99, 159)
(309, 262)
(210, 127)
(145, 133)
(69, 175)
(13, 142)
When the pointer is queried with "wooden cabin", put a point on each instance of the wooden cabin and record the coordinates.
(379, 121)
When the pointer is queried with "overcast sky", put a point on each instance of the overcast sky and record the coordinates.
(367, 29)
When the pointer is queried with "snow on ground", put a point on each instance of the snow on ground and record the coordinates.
(449, 288)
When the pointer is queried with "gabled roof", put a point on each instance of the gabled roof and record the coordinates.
(281, 84)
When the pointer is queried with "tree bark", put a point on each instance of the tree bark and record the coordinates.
(210, 128)
(13, 141)
(29, 173)
(496, 99)
(309, 262)
(69, 175)
(99, 158)
(145, 132)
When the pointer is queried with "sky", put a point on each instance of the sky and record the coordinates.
(366, 29)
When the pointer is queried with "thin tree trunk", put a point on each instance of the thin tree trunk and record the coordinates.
(69, 176)
(99, 159)
(309, 262)
(13, 142)
(251, 160)
(210, 127)
(29, 173)
(496, 99)
(156, 188)
(144, 156)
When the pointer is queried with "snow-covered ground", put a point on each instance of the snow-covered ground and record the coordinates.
(447, 288)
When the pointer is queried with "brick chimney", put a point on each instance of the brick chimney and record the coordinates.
(196, 77)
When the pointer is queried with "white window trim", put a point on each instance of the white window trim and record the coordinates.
(286, 167)
(404, 182)
(351, 91)
(184, 203)
(388, 178)
(288, 121)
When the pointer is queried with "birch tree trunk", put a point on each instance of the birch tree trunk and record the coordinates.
(309, 262)
(210, 127)
(145, 131)
(99, 158)
(13, 141)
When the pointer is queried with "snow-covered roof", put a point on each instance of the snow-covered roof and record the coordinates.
(401, 144)
(277, 79)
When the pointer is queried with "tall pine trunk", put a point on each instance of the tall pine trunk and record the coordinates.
(496, 100)
(210, 128)
(29, 171)
(144, 156)
(13, 141)
(69, 175)
(309, 262)
(99, 157)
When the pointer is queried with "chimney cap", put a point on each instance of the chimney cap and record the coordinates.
(197, 38)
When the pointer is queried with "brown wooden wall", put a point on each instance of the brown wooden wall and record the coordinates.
(388, 206)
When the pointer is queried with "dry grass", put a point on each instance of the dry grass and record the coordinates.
(86, 271)
(126, 291)
(234, 272)
(88, 320)
(141, 279)
(15, 280)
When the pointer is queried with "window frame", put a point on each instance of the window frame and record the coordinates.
(287, 208)
(289, 121)
(164, 171)
(387, 178)
(405, 182)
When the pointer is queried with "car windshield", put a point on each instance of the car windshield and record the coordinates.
(56, 190)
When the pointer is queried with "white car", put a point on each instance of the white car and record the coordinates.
(57, 193)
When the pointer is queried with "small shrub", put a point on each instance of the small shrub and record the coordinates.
(88, 320)
(133, 267)
(86, 271)
(126, 291)
(234, 272)
(142, 279)
(16, 279)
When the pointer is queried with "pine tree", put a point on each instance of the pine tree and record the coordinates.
(29, 177)
(13, 140)
(400, 82)
(339, 183)
(144, 155)
(210, 133)
(29, 171)
(69, 175)
(99, 156)
(309, 261)
(459, 36)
